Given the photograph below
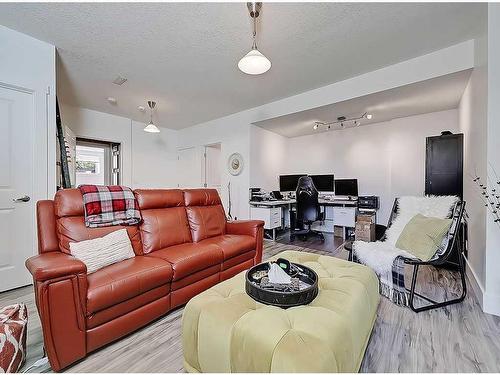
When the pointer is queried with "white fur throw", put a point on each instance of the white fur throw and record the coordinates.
(380, 255)
(431, 206)
(104, 251)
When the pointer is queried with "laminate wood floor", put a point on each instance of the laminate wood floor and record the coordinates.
(457, 338)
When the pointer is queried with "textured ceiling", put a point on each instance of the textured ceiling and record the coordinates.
(185, 55)
(437, 94)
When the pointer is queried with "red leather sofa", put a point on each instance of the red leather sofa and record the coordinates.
(183, 246)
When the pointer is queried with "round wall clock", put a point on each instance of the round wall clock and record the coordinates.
(235, 164)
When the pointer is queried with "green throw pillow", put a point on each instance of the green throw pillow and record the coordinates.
(423, 235)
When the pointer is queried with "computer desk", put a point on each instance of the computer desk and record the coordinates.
(271, 211)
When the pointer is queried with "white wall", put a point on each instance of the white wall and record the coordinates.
(480, 122)
(154, 157)
(29, 64)
(148, 159)
(100, 126)
(268, 152)
(234, 131)
(233, 134)
(492, 295)
(473, 123)
(387, 158)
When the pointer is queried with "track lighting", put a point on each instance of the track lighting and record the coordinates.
(342, 121)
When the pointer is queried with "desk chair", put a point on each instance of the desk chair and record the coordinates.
(308, 210)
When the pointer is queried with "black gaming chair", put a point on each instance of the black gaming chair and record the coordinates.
(308, 210)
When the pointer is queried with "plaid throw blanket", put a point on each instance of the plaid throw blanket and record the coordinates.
(109, 205)
(392, 282)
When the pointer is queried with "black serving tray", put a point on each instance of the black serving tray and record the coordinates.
(279, 298)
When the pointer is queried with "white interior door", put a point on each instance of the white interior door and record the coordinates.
(213, 166)
(17, 237)
(188, 168)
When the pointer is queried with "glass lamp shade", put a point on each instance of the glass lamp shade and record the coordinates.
(254, 63)
(151, 128)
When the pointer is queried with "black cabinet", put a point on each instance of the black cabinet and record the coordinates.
(444, 175)
(444, 165)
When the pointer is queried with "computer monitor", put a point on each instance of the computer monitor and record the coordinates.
(347, 187)
(323, 182)
(289, 182)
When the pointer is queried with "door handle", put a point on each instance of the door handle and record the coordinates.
(22, 199)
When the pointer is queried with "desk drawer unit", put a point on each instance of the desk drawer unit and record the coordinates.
(270, 215)
(344, 216)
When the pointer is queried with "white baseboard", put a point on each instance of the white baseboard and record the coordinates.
(477, 286)
(491, 303)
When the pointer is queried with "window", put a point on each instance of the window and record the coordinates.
(97, 163)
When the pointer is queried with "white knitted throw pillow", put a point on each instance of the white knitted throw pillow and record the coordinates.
(104, 251)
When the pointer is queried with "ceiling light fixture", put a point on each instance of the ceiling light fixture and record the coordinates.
(151, 128)
(342, 120)
(254, 62)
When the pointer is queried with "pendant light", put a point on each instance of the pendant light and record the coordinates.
(151, 128)
(254, 62)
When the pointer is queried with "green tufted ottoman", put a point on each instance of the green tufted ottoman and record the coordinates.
(224, 330)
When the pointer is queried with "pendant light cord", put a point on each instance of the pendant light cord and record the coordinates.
(254, 17)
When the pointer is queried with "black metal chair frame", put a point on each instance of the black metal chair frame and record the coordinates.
(454, 239)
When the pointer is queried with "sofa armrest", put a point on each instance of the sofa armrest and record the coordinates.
(248, 227)
(254, 228)
(54, 265)
(60, 283)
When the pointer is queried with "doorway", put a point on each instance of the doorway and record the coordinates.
(97, 162)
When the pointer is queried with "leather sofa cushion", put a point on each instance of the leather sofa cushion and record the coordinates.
(70, 222)
(134, 303)
(68, 202)
(201, 197)
(189, 258)
(232, 244)
(164, 227)
(124, 280)
(206, 221)
(73, 229)
(159, 198)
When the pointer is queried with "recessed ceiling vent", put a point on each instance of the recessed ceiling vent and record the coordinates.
(119, 80)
